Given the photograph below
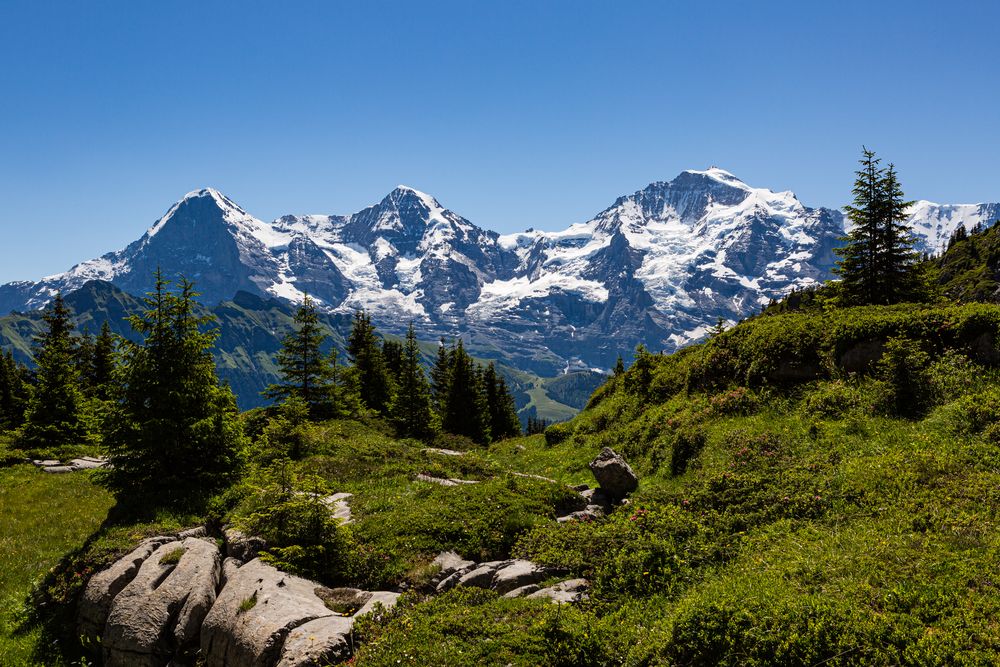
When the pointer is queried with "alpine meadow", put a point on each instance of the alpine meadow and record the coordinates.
(707, 424)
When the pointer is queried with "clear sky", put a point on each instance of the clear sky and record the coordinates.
(514, 114)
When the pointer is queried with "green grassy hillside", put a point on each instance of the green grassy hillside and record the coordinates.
(803, 500)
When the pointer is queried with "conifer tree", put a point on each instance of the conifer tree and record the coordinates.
(441, 378)
(392, 352)
(619, 366)
(373, 381)
(305, 370)
(410, 410)
(103, 362)
(54, 415)
(500, 405)
(13, 392)
(896, 257)
(466, 411)
(876, 265)
(173, 436)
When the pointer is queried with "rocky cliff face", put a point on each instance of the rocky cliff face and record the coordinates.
(657, 267)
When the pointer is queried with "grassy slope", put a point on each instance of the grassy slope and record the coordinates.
(808, 526)
(42, 517)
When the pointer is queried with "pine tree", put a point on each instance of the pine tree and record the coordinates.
(173, 436)
(410, 410)
(619, 366)
(392, 352)
(305, 371)
(13, 392)
(103, 363)
(441, 378)
(877, 260)
(896, 255)
(503, 419)
(54, 415)
(466, 410)
(373, 380)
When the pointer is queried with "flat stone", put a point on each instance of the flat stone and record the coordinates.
(442, 452)
(565, 592)
(198, 531)
(85, 464)
(421, 477)
(538, 477)
(46, 463)
(339, 508)
(58, 469)
(522, 591)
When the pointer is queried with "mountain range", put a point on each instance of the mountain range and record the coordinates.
(657, 267)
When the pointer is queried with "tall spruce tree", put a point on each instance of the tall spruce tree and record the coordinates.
(392, 352)
(55, 416)
(410, 410)
(306, 372)
(877, 260)
(374, 383)
(897, 257)
(466, 411)
(173, 436)
(103, 362)
(13, 392)
(441, 378)
(503, 419)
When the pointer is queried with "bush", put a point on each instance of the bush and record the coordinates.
(288, 512)
(558, 433)
(905, 368)
(688, 443)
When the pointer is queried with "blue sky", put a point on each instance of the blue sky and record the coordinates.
(514, 114)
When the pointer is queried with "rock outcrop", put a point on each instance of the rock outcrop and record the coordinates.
(159, 614)
(173, 601)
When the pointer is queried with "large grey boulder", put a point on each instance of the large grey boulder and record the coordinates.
(265, 617)
(158, 615)
(95, 602)
(614, 474)
(517, 574)
(255, 612)
(322, 641)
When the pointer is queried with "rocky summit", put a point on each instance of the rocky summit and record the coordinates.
(657, 267)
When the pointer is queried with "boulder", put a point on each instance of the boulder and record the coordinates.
(95, 602)
(321, 641)
(482, 576)
(519, 573)
(265, 617)
(590, 513)
(255, 612)
(614, 474)
(159, 614)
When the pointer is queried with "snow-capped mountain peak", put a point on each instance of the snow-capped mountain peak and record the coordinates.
(658, 266)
